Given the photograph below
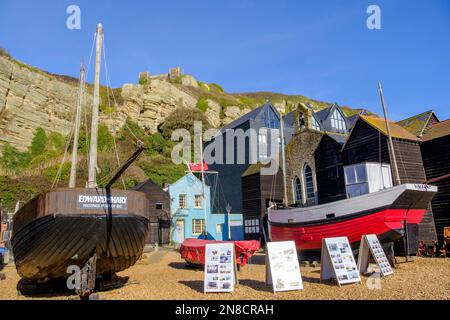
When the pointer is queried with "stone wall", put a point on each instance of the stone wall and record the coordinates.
(299, 151)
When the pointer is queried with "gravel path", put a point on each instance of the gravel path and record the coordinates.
(163, 275)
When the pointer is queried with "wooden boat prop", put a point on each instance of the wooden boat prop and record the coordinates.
(386, 213)
(65, 227)
(193, 250)
(97, 229)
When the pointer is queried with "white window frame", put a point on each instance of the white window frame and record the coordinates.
(198, 224)
(337, 121)
(182, 196)
(197, 204)
(252, 226)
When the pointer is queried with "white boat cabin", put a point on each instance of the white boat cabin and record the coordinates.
(367, 177)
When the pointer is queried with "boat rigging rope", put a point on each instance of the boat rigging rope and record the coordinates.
(63, 160)
(108, 88)
(70, 136)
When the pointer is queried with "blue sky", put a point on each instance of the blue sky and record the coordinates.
(321, 49)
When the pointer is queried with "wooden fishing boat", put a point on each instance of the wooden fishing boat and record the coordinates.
(97, 229)
(66, 227)
(388, 213)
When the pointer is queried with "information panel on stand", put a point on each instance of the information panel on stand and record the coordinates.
(220, 268)
(371, 245)
(282, 266)
(338, 261)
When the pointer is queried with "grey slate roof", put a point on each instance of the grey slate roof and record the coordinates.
(249, 116)
(339, 138)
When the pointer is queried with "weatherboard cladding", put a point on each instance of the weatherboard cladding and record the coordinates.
(230, 174)
(159, 230)
(364, 145)
(436, 158)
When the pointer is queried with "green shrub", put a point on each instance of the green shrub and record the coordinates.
(105, 140)
(183, 118)
(13, 159)
(43, 158)
(143, 81)
(155, 143)
(217, 86)
(162, 170)
(56, 142)
(202, 104)
(39, 142)
(52, 171)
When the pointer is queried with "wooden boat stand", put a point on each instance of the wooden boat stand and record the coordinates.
(87, 277)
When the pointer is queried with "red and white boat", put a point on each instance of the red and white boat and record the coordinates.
(384, 213)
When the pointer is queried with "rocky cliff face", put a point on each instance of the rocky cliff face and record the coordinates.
(31, 99)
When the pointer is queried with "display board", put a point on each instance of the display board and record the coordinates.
(220, 268)
(371, 245)
(338, 262)
(282, 266)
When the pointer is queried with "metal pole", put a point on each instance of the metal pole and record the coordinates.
(203, 186)
(92, 183)
(391, 144)
(73, 169)
(283, 160)
(228, 216)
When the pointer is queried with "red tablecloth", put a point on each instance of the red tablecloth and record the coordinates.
(193, 250)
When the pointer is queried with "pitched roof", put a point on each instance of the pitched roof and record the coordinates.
(143, 183)
(253, 169)
(437, 130)
(339, 138)
(352, 119)
(249, 116)
(323, 114)
(396, 130)
(417, 124)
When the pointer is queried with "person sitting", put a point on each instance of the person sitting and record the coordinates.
(422, 250)
(443, 250)
(435, 249)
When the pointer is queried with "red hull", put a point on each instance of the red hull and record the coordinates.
(388, 222)
(193, 250)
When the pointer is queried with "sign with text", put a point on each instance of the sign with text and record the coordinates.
(92, 202)
(371, 245)
(220, 268)
(282, 266)
(338, 262)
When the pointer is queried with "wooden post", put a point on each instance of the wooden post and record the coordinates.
(391, 144)
(283, 160)
(73, 169)
(92, 183)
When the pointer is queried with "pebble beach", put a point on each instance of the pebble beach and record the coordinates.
(164, 275)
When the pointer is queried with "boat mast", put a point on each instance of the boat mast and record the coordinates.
(391, 144)
(73, 169)
(92, 183)
(283, 160)
(203, 186)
